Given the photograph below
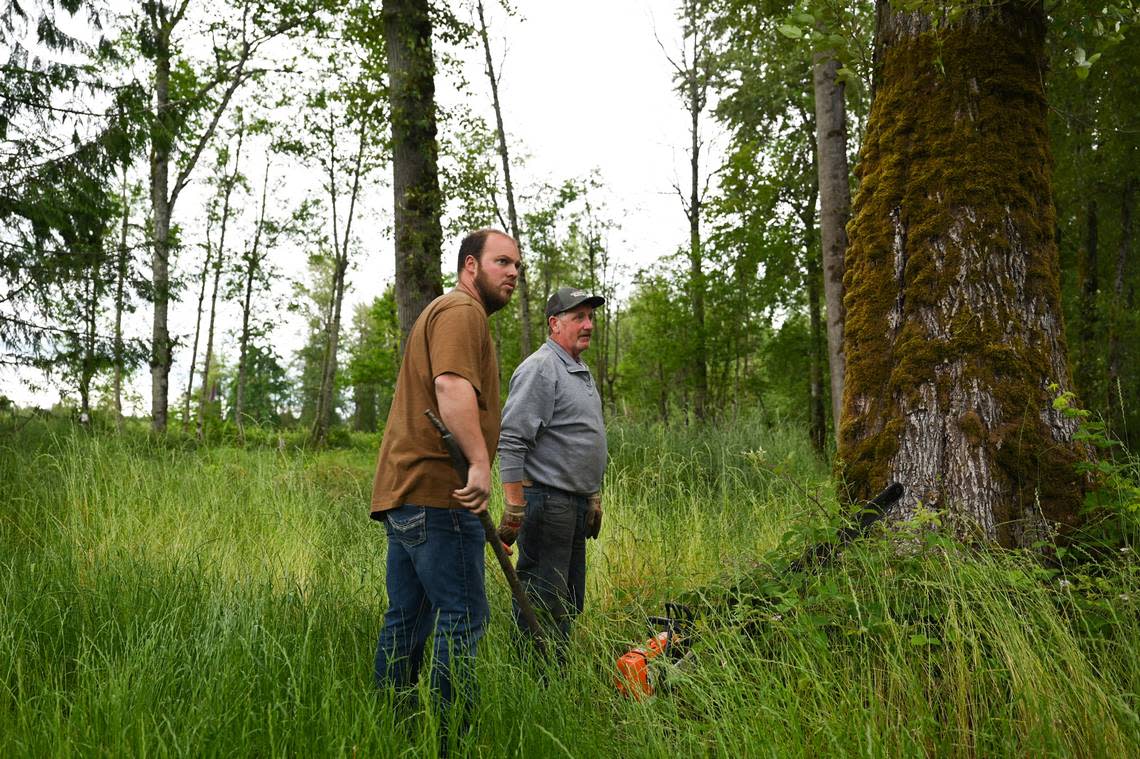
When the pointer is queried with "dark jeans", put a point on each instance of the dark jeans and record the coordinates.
(552, 557)
(435, 583)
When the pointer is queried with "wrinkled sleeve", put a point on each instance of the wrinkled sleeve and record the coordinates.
(528, 411)
(456, 342)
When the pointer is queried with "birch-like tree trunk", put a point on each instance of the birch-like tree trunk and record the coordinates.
(203, 277)
(415, 181)
(325, 395)
(954, 337)
(834, 211)
(160, 208)
(227, 194)
(121, 269)
(252, 265)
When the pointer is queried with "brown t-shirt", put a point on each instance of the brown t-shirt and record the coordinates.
(450, 336)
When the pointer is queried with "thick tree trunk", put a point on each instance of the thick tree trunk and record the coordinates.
(160, 357)
(954, 338)
(415, 182)
(512, 216)
(834, 211)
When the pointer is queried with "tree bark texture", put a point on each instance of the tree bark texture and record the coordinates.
(954, 337)
(415, 181)
(160, 357)
(834, 211)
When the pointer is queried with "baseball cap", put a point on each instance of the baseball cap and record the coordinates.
(566, 298)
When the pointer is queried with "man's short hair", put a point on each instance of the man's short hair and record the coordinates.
(473, 243)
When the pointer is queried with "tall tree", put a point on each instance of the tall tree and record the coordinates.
(415, 183)
(954, 338)
(226, 184)
(186, 109)
(691, 79)
(512, 215)
(834, 207)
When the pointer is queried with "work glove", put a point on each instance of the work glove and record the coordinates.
(511, 522)
(593, 515)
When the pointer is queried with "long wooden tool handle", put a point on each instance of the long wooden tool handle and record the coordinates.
(512, 576)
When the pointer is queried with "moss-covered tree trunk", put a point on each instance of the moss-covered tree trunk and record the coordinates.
(415, 180)
(954, 338)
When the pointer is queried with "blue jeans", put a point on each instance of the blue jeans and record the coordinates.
(435, 583)
(552, 556)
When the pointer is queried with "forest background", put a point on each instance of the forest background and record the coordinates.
(900, 247)
(276, 131)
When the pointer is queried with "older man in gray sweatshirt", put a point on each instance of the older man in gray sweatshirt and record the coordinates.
(552, 457)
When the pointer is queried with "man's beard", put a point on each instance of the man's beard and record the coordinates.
(493, 299)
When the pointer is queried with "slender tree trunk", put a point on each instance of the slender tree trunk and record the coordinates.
(818, 426)
(87, 364)
(161, 358)
(834, 211)
(120, 286)
(415, 182)
(954, 337)
(512, 216)
(696, 256)
(1123, 252)
(197, 330)
(326, 394)
(1088, 267)
(229, 182)
(253, 261)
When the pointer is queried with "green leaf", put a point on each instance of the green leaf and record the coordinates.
(805, 18)
(791, 32)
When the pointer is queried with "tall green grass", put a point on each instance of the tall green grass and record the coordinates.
(181, 600)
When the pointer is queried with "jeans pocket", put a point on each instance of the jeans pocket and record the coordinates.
(409, 529)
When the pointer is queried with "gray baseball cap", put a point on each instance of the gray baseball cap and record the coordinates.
(566, 298)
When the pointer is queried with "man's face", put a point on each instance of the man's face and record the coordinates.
(497, 271)
(572, 329)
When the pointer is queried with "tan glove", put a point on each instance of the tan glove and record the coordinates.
(593, 515)
(511, 522)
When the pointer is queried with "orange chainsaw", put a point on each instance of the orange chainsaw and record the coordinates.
(641, 670)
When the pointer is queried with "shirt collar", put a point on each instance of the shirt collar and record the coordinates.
(567, 359)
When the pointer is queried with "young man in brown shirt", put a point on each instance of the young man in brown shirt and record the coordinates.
(435, 578)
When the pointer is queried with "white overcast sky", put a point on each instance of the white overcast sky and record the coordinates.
(584, 86)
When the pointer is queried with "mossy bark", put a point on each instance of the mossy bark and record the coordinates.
(415, 179)
(954, 335)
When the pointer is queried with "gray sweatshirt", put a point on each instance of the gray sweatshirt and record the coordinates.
(553, 432)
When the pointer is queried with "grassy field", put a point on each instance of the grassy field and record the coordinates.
(170, 599)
